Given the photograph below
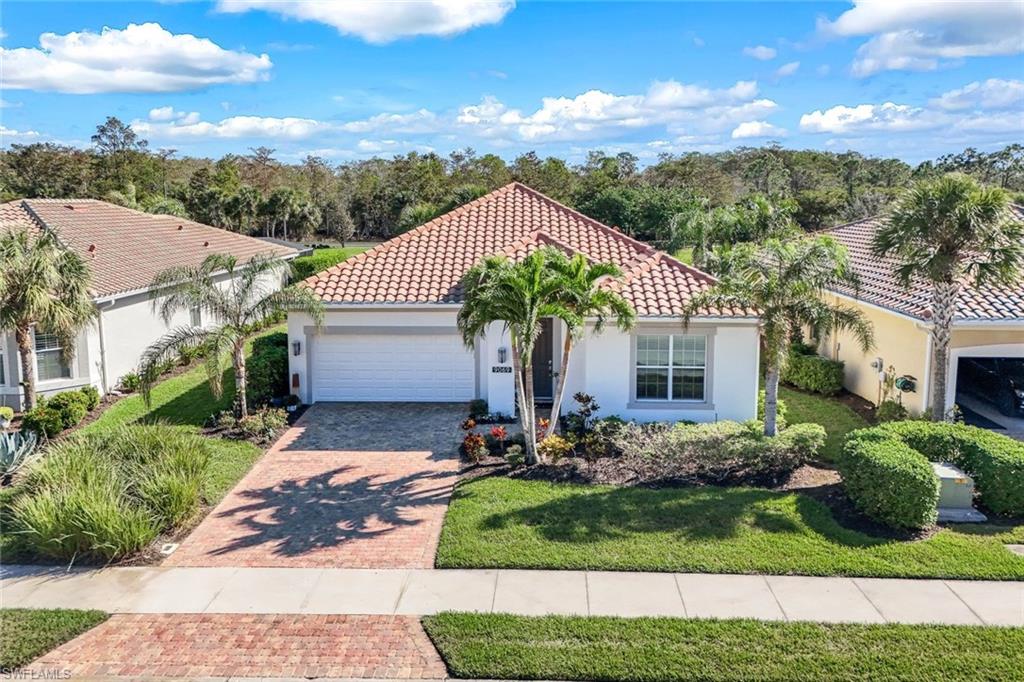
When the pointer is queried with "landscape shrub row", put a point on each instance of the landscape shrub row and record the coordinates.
(720, 452)
(267, 369)
(887, 473)
(107, 495)
(63, 411)
(813, 373)
(888, 480)
(318, 261)
(994, 461)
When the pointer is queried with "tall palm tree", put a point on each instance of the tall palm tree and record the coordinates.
(518, 295)
(950, 232)
(247, 296)
(46, 286)
(785, 283)
(585, 297)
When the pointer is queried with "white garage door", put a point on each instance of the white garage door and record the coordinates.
(392, 367)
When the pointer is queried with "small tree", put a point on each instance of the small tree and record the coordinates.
(42, 285)
(585, 297)
(784, 283)
(518, 295)
(244, 300)
(948, 232)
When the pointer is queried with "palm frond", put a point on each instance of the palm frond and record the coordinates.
(167, 347)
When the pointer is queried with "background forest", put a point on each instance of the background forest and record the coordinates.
(375, 199)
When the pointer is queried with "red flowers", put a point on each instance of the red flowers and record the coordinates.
(499, 433)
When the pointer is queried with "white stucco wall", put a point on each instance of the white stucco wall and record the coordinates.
(129, 326)
(601, 364)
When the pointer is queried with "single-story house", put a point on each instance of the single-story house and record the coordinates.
(390, 328)
(124, 250)
(988, 328)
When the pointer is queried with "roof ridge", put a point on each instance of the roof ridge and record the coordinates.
(618, 234)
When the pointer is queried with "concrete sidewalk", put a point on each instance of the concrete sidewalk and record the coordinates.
(424, 592)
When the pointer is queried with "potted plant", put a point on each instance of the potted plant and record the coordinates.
(292, 403)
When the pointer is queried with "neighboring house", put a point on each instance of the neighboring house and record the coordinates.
(989, 324)
(124, 250)
(390, 328)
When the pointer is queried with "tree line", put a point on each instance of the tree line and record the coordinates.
(256, 193)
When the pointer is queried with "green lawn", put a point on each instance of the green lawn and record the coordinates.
(321, 259)
(496, 646)
(837, 418)
(26, 634)
(499, 522)
(685, 255)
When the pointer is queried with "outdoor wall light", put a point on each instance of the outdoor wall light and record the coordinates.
(502, 354)
(296, 347)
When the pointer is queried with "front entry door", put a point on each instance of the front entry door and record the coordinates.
(543, 359)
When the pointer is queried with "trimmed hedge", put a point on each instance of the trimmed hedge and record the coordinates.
(318, 261)
(267, 369)
(889, 481)
(994, 461)
(887, 473)
(813, 373)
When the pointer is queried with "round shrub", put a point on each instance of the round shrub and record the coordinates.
(43, 420)
(813, 373)
(891, 411)
(887, 480)
(994, 461)
(91, 395)
(72, 407)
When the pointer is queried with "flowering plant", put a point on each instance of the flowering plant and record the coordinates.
(469, 424)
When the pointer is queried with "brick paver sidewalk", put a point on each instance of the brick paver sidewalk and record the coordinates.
(223, 645)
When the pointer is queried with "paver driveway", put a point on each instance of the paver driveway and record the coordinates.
(353, 485)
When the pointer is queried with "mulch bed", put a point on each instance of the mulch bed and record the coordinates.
(818, 482)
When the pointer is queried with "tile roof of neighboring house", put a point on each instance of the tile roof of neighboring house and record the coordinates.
(426, 264)
(879, 286)
(124, 248)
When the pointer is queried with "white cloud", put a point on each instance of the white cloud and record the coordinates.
(7, 104)
(749, 129)
(824, 70)
(597, 113)
(169, 113)
(990, 107)
(761, 52)
(842, 120)
(138, 58)
(422, 121)
(8, 135)
(993, 93)
(384, 21)
(188, 126)
(917, 35)
(787, 69)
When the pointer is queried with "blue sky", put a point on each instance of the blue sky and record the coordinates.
(349, 80)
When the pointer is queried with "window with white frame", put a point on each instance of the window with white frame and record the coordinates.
(671, 367)
(50, 362)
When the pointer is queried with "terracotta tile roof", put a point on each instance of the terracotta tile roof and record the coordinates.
(426, 264)
(125, 248)
(879, 286)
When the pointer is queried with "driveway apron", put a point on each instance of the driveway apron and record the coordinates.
(351, 485)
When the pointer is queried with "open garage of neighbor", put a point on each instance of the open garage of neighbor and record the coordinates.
(990, 388)
(403, 364)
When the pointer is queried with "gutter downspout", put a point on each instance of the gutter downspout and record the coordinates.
(103, 346)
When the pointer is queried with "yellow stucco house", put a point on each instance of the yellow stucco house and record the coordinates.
(988, 333)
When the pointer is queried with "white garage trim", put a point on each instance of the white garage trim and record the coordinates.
(390, 364)
(1005, 350)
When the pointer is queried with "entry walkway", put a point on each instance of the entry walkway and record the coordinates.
(414, 592)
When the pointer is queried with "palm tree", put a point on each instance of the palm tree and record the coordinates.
(247, 297)
(947, 233)
(785, 283)
(585, 297)
(43, 285)
(519, 295)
